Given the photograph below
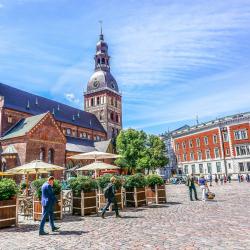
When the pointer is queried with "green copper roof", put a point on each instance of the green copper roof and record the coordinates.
(23, 126)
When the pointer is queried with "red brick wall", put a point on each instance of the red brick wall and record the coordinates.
(243, 126)
(211, 146)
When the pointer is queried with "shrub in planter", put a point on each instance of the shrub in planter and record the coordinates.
(135, 190)
(84, 195)
(82, 183)
(37, 186)
(8, 208)
(104, 180)
(155, 192)
(154, 179)
(8, 189)
(136, 180)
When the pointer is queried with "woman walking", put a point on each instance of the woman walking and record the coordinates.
(203, 186)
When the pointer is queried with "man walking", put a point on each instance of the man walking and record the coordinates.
(109, 194)
(191, 184)
(48, 201)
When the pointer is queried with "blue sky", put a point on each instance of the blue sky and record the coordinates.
(173, 60)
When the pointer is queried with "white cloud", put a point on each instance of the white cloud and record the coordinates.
(71, 98)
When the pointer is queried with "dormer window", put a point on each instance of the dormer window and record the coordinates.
(10, 119)
(68, 131)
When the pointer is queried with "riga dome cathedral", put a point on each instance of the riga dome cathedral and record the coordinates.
(102, 97)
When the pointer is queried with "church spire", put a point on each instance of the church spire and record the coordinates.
(101, 35)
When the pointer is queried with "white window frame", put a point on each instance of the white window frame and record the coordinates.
(192, 156)
(240, 134)
(206, 140)
(215, 139)
(208, 155)
(216, 155)
(225, 136)
(191, 143)
(198, 142)
(199, 155)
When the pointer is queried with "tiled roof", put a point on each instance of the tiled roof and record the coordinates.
(23, 126)
(22, 101)
(102, 146)
(79, 145)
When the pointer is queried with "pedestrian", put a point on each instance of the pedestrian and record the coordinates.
(191, 185)
(109, 194)
(247, 177)
(239, 179)
(242, 178)
(229, 178)
(210, 179)
(216, 179)
(203, 186)
(225, 178)
(221, 179)
(48, 202)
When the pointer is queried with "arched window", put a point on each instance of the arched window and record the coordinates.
(103, 60)
(98, 100)
(42, 154)
(112, 116)
(92, 102)
(98, 61)
(101, 115)
(51, 155)
(117, 118)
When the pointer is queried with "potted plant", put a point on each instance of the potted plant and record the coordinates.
(102, 183)
(37, 207)
(84, 195)
(155, 191)
(8, 202)
(135, 190)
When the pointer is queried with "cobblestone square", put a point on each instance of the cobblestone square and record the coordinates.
(180, 224)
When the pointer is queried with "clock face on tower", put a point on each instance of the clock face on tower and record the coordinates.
(96, 84)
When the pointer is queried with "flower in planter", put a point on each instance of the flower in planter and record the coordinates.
(8, 189)
(82, 183)
(37, 186)
(154, 179)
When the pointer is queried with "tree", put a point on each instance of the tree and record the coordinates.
(140, 152)
(130, 144)
(153, 156)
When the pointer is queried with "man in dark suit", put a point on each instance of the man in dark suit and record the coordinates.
(191, 185)
(48, 202)
(109, 194)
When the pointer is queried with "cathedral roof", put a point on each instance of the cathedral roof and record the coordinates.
(22, 101)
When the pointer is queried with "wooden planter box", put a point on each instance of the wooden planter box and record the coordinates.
(136, 197)
(102, 201)
(156, 195)
(37, 209)
(8, 213)
(85, 204)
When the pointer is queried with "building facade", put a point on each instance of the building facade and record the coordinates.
(33, 127)
(102, 97)
(221, 146)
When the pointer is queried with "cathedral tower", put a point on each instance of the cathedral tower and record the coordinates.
(102, 97)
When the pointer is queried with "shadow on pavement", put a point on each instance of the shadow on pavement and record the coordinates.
(131, 217)
(72, 232)
(173, 203)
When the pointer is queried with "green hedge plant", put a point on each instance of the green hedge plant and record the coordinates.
(82, 183)
(104, 180)
(8, 189)
(154, 179)
(136, 180)
(37, 186)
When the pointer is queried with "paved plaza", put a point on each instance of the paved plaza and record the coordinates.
(180, 224)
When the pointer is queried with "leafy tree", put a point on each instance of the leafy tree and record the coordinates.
(130, 144)
(153, 156)
(140, 152)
